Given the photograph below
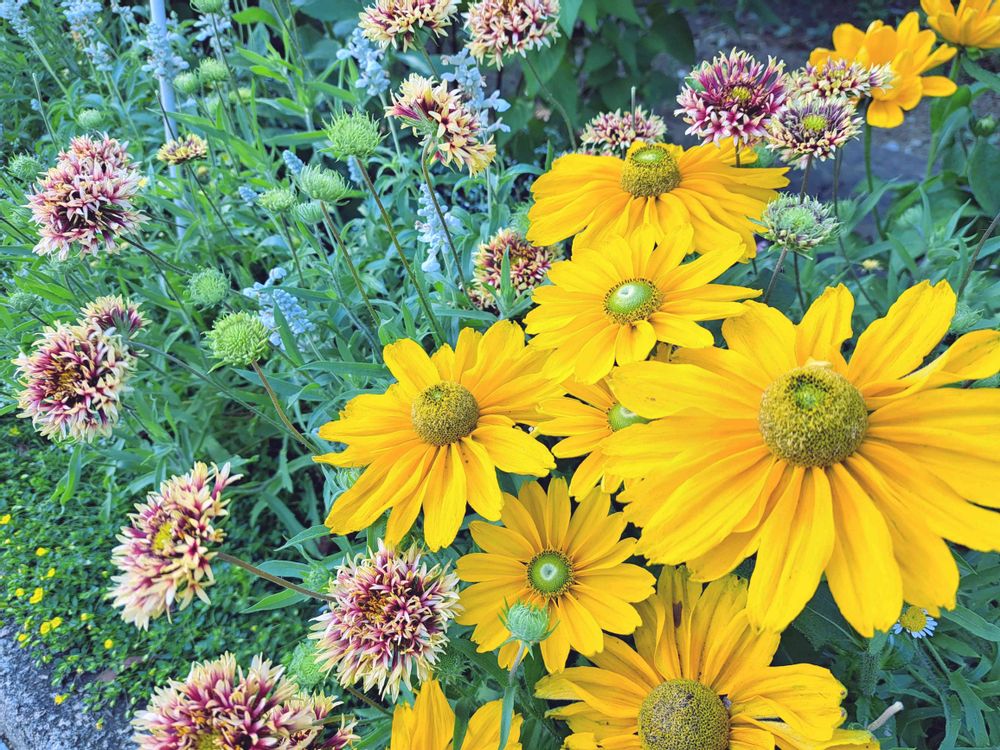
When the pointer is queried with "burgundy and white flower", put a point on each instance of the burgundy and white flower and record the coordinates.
(73, 382)
(528, 266)
(500, 28)
(397, 22)
(114, 312)
(734, 96)
(840, 78)
(165, 554)
(387, 621)
(612, 133)
(812, 129)
(86, 199)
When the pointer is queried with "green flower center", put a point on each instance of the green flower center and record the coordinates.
(164, 536)
(550, 573)
(814, 123)
(209, 742)
(632, 300)
(913, 619)
(619, 418)
(650, 170)
(740, 93)
(683, 715)
(444, 413)
(812, 416)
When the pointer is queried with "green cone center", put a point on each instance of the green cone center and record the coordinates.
(163, 537)
(813, 416)
(650, 170)
(683, 715)
(619, 418)
(444, 413)
(632, 300)
(550, 573)
(740, 94)
(814, 123)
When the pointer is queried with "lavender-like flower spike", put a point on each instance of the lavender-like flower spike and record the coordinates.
(269, 297)
(431, 231)
(370, 59)
(472, 82)
(12, 11)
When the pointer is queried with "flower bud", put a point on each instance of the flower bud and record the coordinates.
(211, 71)
(526, 622)
(308, 213)
(238, 339)
(208, 287)
(303, 668)
(355, 134)
(208, 6)
(985, 126)
(798, 225)
(90, 119)
(21, 302)
(323, 184)
(24, 167)
(186, 83)
(277, 200)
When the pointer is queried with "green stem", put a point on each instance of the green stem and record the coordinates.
(277, 407)
(871, 178)
(805, 180)
(156, 258)
(774, 274)
(286, 233)
(798, 283)
(48, 67)
(975, 255)
(441, 217)
(272, 578)
(558, 105)
(339, 243)
(840, 236)
(366, 700)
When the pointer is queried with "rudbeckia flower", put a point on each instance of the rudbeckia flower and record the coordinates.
(974, 23)
(617, 298)
(545, 554)
(430, 724)
(658, 185)
(699, 678)
(435, 439)
(907, 50)
(858, 469)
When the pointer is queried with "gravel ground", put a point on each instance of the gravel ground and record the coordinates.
(30, 719)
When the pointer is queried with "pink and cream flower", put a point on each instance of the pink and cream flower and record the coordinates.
(613, 133)
(114, 312)
(165, 554)
(397, 22)
(183, 150)
(840, 78)
(387, 620)
(733, 97)
(528, 266)
(73, 382)
(443, 119)
(86, 199)
(812, 129)
(501, 28)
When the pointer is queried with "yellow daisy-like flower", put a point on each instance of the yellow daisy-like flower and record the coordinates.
(779, 446)
(36, 596)
(5, 519)
(430, 724)
(587, 417)
(700, 678)
(435, 438)
(658, 185)
(907, 50)
(974, 23)
(573, 563)
(616, 299)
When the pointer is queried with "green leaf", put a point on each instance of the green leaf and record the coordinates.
(275, 601)
(313, 532)
(255, 15)
(365, 369)
(984, 166)
(974, 623)
(506, 715)
(568, 13)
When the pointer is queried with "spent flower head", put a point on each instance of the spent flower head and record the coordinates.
(812, 129)
(189, 148)
(208, 287)
(310, 212)
(397, 22)
(354, 134)
(798, 224)
(613, 133)
(239, 339)
(186, 83)
(501, 28)
(323, 184)
(209, 6)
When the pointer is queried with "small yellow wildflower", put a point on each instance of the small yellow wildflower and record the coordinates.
(42, 551)
(22, 637)
(84, 617)
(60, 698)
(5, 519)
(56, 622)
(19, 592)
(99, 724)
(108, 644)
(44, 628)
(14, 431)
(36, 596)
(50, 573)
(871, 264)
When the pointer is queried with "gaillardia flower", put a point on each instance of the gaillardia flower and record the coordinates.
(74, 380)
(182, 150)
(219, 705)
(528, 266)
(656, 185)
(430, 724)
(572, 563)
(733, 98)
(840, 78)
(444, 121)
(615, 299)
(907, 50)
(501, 28)
(397, 22)
(165, 554)
(86, 199)
(779, 446)
(699, 678)
(974, 23)
(387, 621)
(587, 416)
(114, 312)
(812, 129)
(435, 438)
(613, 133)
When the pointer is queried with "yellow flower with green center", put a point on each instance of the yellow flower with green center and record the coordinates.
(699, 678)
(857, 469)
(658, 186)
(435, 439)
(429, 724)
(615, 300)
(548, 555)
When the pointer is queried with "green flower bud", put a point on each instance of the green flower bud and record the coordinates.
(90, 119)
(323, 184)
(208, 287)
(526, 622)
(21, 302)
(277, 200)
(354, 134)
(308, 213)
(317, 579)
(186, 83)
(208, 6)
(238, 339)
(798, 225)
(242, 95)
(965, 319)
(211, 71)
(24, 167)
(985, 126)
(304, 668)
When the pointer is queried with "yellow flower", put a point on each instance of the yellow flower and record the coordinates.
(975, 23)
(41, 552)
(36, 596)
(430, 724)
(5, 519)
(108, 644)
(658, 185)
(44, 628)
(700, 677)
(779, 446)
(19, 592)
(573, 563)
(22, 637)
(55, 622)
(435, 438)
(60, 699)
(614, 301)
(84, 617)
(907, 50)
(50, 573)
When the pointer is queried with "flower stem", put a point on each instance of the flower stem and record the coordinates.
(894, 709)
(441, 217)
(774, 274)
(366, 700)
(871, 178)
(805, 180)
(283, 226)
(277, 407)
(975, 255)
(558, 105)
(339, 242)
(840, 237)
(272, 578)
(436, 331)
